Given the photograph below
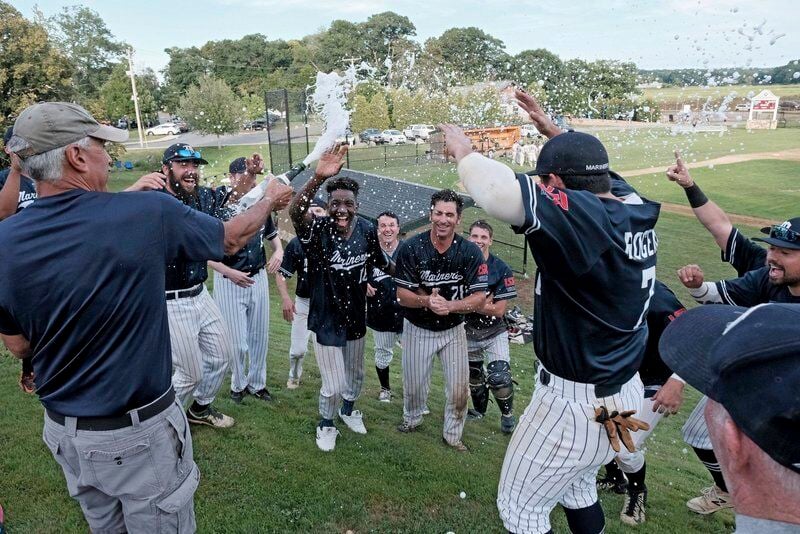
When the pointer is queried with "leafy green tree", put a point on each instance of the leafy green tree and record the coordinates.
(369, 113)
(185, 67)
(82, 35)
(212, 108)
(116, 95)
(537, 68)
(254, 107)
(31, 68)
(467, 55)
(343, 39)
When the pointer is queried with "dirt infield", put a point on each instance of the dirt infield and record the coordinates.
(792, 154)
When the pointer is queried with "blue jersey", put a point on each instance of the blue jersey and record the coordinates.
(185, 273)
(458, 272)
(337, 278)
(664, 308)
(502, 286)
(754, 288)
(294, 261)
(27, 189)
(251, 258)
(384, 313)
(83, 280)
(743, 253)
(596, 260)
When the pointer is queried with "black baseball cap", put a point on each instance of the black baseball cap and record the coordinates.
(572, 153)
(237, 166)
(748, 360)
(784, 235)
(182, 152)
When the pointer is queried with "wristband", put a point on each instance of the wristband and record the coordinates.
(696, 196)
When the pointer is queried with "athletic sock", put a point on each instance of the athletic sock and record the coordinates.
(383, 377)
(197, 408)
(636, 480)
(614, 472)
(326, 423)
(347, 407)
(589, 520)
(709, 460)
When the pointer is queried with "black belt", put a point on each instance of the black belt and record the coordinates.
(600, 390)
(120, 421)
(185, 293)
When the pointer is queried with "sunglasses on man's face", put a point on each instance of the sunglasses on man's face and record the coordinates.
(186, 153)
(784, 234)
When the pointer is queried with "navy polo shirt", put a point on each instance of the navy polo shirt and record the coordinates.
(82, 278)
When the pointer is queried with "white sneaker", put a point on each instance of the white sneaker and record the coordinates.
(293, 383)
(425, 410)
(326, 438)
(354, 421)
(712, 499)
(385, 395)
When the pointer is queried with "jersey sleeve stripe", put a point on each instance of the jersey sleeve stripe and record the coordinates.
(532, 222)
(286, 273)
(271, 235)
(405, 284)
(506, 296)
(726, 298)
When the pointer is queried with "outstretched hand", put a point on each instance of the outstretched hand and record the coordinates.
(16, 164)
(679, 173)
(691, 276)
(542, 121)
(331, 161)
(155, 181)
(280, 193)
(254, 164)
(456, 142)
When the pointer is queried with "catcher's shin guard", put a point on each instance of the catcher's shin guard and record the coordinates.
(477, 387)
(499, 381)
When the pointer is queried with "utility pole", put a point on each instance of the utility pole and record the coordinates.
(135, 97)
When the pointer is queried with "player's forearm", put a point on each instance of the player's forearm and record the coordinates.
(18, 346)
(706, 293)
(716, 221)
(276, 245)
(9, 195)
(495, 309)
(494, 188)
(298, 210)
(241, 228)
(283, 288)
(220, 267)
(411, 299)
(470, 304)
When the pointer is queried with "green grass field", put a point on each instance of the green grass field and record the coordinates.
(691, 94)
(266, 474)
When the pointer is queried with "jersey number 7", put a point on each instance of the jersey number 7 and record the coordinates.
(649, 283)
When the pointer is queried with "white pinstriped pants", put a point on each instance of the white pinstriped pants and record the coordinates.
(419, 348)
(246, 312)
(201, 347)
(631, 462)
(492, 349)
(556, 451)
(342, 373)
(695, 430)
(384, 347)
(300, 331)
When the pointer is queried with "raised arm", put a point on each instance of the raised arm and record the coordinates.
(239, 229)
(328, 165)
(542, 121)
(707, 212)
(9, 194)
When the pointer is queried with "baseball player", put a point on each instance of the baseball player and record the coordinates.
(440, 277)
(744, 255)
(487, 336)
(16, 193)
(384, 313)
(201, 344)
(241, 287)
(296, 312)
(596, 256)
(339, 248)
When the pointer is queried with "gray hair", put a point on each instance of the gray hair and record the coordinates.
(47, 166)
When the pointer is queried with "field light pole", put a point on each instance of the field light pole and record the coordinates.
(135, 97)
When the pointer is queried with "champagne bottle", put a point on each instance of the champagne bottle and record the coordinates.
(255, 194)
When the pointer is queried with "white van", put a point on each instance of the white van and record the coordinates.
(419, 131)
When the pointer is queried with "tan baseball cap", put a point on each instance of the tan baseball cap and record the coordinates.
(50, 125)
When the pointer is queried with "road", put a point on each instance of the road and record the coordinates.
(242, 138)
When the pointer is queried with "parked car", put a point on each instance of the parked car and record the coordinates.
(168, 128)
(182, 125)
(393, 137)
(743, 107)
(370, 135)
(528, 130)
(122, 124)
(419, 131)
(258, 124)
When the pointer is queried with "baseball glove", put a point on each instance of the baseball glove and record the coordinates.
(618, 426)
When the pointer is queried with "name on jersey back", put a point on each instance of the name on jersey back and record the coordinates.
(641, 245)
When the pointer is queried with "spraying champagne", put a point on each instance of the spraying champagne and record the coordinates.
(255, 194)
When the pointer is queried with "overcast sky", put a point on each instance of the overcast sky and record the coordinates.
(652, 33)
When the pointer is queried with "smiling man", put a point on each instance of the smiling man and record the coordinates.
(339, 249)
(440, 278)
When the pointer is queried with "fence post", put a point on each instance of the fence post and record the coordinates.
(288, 129)
(385, 162)
(269, 134)
(416, 152)
(347, 157)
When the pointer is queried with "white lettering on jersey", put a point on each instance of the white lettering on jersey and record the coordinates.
(378, 275)
(436, 279)
(641, 245)
(339, 263)
(25, 199)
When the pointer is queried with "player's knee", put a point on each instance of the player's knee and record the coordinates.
(477, 375)
(630, 462)
(499, 378)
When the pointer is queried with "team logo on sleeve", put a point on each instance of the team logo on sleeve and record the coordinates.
(509, 282)
(559, 198)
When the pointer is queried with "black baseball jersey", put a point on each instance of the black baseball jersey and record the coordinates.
(384, 313)
(743, 253)
(27, 189)
(337, 278)
(596, 260)
(252, 257)
(457, 273)
(184, 274)
(754, 288)
(664, 308)
(294, 261)
(502, 286)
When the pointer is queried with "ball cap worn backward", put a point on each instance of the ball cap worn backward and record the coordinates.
(784, 235)
(572, 153)
(238, 166)
(748, 360)
(182, 152)
(50, 125)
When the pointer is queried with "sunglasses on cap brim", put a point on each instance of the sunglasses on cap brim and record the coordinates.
(784, 234)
